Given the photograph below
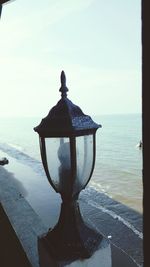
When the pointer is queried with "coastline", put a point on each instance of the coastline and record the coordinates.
(118, 166)
(123, 224)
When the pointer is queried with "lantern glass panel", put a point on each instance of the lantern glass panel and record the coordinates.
(85, 158)
(59, 162)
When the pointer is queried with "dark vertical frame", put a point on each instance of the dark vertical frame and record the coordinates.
(0, 10)
(146, 122)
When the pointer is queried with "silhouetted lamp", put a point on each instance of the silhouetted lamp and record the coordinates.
(67, 143)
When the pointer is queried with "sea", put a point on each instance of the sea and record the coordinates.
(114, 194)
(118, 166)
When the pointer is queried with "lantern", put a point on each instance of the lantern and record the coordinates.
(68, 147)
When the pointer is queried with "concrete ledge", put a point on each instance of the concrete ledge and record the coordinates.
(11, 251)
(27, 226)
(102, 255)
(126, 245)
(25, 222)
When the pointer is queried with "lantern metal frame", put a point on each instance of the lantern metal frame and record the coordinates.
(71, 238)
(73, 160)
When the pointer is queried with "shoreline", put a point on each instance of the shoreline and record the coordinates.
(128, 198)
(118, 166)
(120, 219)
(36, 188)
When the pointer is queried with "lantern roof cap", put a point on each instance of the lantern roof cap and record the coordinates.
(63, 89)
(66, 118)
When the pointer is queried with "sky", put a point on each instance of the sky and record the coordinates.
(96, 42)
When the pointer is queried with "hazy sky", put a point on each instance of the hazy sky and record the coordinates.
(96, 42)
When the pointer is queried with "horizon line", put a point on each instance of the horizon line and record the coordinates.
(102, 114)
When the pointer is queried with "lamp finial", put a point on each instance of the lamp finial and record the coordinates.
(63, 89)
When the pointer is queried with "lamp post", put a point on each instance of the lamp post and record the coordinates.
(67, 144)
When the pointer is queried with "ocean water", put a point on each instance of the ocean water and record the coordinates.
(118, 167)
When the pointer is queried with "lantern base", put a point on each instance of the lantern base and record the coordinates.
(71, 238)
